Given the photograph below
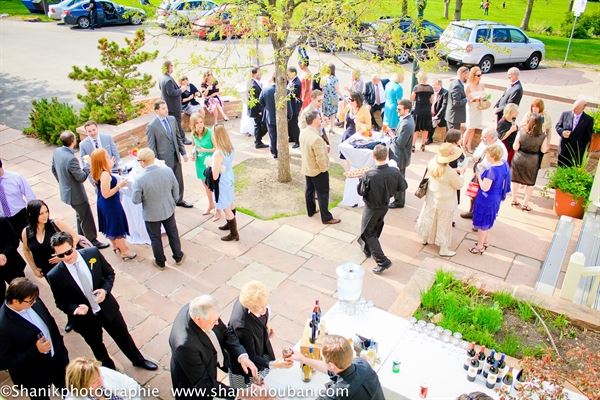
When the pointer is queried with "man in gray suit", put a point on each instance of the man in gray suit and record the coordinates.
(456, 112)
(95, 140)
(512, 94)
(400, 147)
(171, 94)
(157, 190)
(166, 145)
(70, 177)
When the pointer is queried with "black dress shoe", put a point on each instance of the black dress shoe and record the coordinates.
(295, 146)
(380, 268)
(467, 215)
(187, 141)
(261, 146)
(100, 245)
(184, 204)
(147, 364)
(275, 156)
(68, 327)
(396, 205)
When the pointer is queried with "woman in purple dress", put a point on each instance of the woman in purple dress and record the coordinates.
(494, 184)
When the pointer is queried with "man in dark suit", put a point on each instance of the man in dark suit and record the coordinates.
(294, 93)
(400, 147)
(374, 95)
(82, 285)
(31, 347)
(255, 109)
(200, 343)
(70, 177)
(575, 130)
(513, 94)
(456, 111)
(167, 145)
(267, 102)
(440, 104)
(12, 264)
(171, 94)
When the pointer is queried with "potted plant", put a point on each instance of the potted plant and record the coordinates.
(572, 186)
(595, 143)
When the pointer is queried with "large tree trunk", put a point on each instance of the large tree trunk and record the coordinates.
(446, 7)
(457, 10)
(404, 8)
(282, 57)
(527, 16)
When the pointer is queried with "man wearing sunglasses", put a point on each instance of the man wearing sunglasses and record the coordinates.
(82, 283)
(31, 346)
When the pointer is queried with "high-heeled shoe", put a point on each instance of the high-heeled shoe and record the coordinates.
(422, 147)
(208, 211)
(129, 256)
(477, 250)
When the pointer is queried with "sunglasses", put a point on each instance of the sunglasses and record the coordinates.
(477, 74)
(65, 254)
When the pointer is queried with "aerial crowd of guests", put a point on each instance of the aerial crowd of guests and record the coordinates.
(506, 160)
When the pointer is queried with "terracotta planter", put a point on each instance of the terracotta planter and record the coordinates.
(565, 204)
(595, 143)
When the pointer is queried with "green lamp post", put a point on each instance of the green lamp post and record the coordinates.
(421, 4)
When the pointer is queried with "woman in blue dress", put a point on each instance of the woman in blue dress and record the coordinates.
(331, 96)
(112, 221)
(222, 169)
(393, 93)
(494, 184)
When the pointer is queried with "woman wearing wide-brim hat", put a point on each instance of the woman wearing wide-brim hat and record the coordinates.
(434, 224)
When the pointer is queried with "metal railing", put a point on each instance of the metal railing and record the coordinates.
(575, 271)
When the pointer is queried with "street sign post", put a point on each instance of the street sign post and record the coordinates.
(578, 9)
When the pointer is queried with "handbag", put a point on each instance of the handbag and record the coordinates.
(473, 188)
(422, 189)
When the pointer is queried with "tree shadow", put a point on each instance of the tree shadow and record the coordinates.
(16, 95)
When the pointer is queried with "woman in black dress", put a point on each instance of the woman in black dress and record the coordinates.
(422, 95)
(36, 238)
(507, 129)
(189, 92)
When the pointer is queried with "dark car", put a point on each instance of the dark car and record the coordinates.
(108, 14)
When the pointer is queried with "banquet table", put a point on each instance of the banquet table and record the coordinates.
(358, 158)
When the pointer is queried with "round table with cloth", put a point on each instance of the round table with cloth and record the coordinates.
(358, 158)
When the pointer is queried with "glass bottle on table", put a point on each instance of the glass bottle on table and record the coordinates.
(507, 380)
(472, 369)
(502, 368)
(490, 382)
(481, 358)
(489, 361)
(470, 354)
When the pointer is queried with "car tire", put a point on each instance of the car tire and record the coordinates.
(83, 22)
(486, 64)
(403, 57)
(533, 61)
(136, 20)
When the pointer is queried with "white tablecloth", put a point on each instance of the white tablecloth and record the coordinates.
(358, 158)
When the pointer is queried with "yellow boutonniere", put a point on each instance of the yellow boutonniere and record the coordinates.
(92, 262)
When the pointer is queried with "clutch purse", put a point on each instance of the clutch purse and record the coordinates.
(473, 188)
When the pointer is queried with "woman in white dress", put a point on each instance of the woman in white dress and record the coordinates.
(475, 91)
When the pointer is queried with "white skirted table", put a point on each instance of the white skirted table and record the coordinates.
(358, 158)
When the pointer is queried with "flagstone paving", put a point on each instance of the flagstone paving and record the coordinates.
(295, 256)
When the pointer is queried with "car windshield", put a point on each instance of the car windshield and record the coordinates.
(458, 32)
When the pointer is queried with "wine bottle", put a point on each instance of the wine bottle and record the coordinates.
(470, 354)
(507, 381)
(502, 368)
(481, 359)
(490, 383)
(519, 380)
(488, 363)
(472, 370)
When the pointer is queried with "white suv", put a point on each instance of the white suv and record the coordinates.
(486, 43)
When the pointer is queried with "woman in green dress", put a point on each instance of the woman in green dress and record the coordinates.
(203, 148)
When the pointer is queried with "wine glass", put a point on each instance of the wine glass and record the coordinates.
(439, 331)
(413, 322)
(421, 324)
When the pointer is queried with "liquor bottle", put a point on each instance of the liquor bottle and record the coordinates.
(490, 383)
(507, 381)
(470, 354)
(472, 370)
(489, 361)
(481, 358)
(502, 368)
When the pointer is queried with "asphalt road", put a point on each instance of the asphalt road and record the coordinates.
(35, 59)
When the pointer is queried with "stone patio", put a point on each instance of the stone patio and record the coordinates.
(296, 257)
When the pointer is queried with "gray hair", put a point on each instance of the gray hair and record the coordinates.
(489, 132)
(202, 305)
(311, 116)
(515, 71)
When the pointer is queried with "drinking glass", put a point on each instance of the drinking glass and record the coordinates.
(430, 328)
(421, 324)
(413, 322)
(439, 331)
(456, 339)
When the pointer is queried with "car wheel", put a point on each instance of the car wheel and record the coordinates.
(403, 57)
(486, 64)
(533, 61)
(136, 20)
(83, 22)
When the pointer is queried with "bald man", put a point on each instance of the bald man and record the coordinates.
(575, 130)
(513, 94)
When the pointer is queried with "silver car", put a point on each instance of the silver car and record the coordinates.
(173, 13)
(486, 43)
(55, 10)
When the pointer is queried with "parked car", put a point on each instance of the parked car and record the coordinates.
(486, 43)
(55, 10)
(220, 23)
(108, 14)
(182, 12)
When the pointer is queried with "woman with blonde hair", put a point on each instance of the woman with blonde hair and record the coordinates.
(331, 92)
(393, 93)
(86, 379)
(250, 320)
(422, 95)
(222, 169)
(475, 91)
(203, 148)
(212, 99)
(112, 221)
(507, 129)
(434, 224)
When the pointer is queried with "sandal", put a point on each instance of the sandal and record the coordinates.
(413, 149)
(485, 246)
(422, 147)
(477, 250)
(525, 208)
(515, 203)
(129, 256)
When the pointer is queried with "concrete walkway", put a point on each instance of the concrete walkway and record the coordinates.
(296, 257)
